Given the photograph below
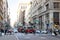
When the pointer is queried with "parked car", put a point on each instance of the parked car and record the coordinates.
(30, 30)
(38, 31)
(15, 30)
(44, 32)
(21, 30)
(10, 31)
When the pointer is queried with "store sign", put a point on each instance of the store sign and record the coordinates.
(20, 24)
(37, 21)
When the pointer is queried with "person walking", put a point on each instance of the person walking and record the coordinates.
(55, 30)
(5, 31)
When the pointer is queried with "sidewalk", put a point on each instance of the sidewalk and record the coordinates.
(8, 37)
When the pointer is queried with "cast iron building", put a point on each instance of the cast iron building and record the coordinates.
(45, 13)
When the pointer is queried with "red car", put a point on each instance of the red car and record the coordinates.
(19, 29)
(30, 30)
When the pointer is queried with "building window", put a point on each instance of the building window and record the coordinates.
(47, 6)
(40, 22)
(47, 0)
(56, 18)
(40, 8)
(34, 20)
(47, 18)
(56, 5)
(1, 18)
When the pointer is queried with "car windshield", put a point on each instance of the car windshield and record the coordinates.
(30, 28)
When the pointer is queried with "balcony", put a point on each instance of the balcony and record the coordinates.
(52, 0)
(1, 18)
(1, 12)
(1, 8)
(47, 1)
(55, 0)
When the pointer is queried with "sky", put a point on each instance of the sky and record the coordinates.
(13, 6)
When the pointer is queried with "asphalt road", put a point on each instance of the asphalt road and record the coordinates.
(8, 37)
(22, 36)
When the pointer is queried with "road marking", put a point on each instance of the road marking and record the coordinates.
(16, 37)
(43, 37)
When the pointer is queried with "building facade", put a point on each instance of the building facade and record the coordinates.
(45, 14)
(27, 15)
(22, 11)
(21, 18)
(3, 12)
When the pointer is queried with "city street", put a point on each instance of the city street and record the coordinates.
(22, 36)
(29, 19)
(8, 37)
